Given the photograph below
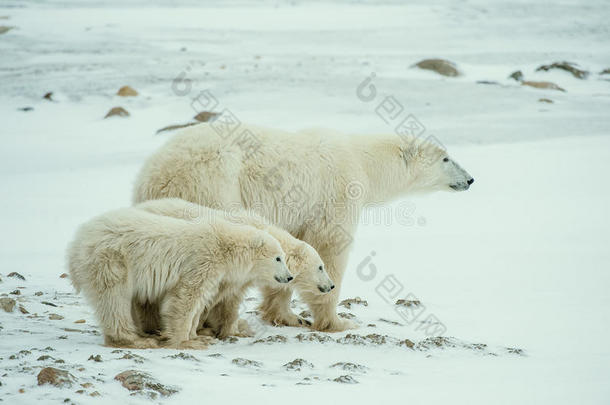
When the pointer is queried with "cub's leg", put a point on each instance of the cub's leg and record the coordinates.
(183, 305)
(275, 307)
(223, 318)
(114, 312)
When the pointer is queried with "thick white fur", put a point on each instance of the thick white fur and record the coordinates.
(130, 255)
(310, 277)
(313, 184)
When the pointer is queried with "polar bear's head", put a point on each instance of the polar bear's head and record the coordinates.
(270, 260)
(430, 168)
(308, 267)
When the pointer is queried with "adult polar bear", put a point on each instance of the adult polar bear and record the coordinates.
(313, 184)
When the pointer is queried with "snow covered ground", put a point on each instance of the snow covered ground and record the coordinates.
(516, 269)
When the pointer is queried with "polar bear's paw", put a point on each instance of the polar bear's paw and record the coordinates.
(208, 340)
(193, 344)
(285, 319)
(334, 325)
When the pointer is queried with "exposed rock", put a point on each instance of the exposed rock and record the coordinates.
(567, 66)
(86, 385)
(273, 339)
(182, 356)
(64, 275)
(23, 310)
(97, 358)
(16, 292)
(345, 379)
(514, 350)
(440, 66)
(205, 116)
(241, 362)
(347, 303)
(313, 337)
(48, 303)
(56, 377)
(144, 383)
(4, 29)
(390, 322)
(490, 82)
(38, 293)
(120, 111)
(16, 275)
(298, 365)
(95, 394)
(26, 109)
(80, 321)
(516, 75)
(408, 303)
(55, 317)
(135, 357)
(407, 342)
(216, 355)
(7, 304)
(20, 354)
(44, 357)
(346, 315)
(48, 96)
(354, 339)
(127, 91)
(545, 100)
(605, 72)
(176, 126)
(351, 367)
(542, 85)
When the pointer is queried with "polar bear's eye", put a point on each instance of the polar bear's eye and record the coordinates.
(278, 259)
(320, 268)
(446, 159)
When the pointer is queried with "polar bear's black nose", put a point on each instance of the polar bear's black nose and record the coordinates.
(332, 286)
(470, 181)
(290, 278)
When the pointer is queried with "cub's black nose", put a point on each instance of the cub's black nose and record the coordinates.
(470, 181)
(332, 286)
(290, 278)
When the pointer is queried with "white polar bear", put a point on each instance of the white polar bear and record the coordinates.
(314, 184)
(129, 255)
(221, 320)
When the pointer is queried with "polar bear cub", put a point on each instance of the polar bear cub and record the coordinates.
(131, 255)
(304, 262)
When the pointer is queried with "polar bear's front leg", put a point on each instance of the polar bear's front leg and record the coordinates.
(275, 308)
(324, 307)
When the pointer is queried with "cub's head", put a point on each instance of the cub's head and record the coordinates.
(269, 259)
(308, 267)
(430, 168)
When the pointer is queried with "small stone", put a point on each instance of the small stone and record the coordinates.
(567, 66)
(176, 126)
(241, 362)
(4, 29)
(605, 72)
(408, 303)
(205, 116)
(298, 365)
(16, 275)
(26, 109)
(80, 321)
(56, 377)
(182, 356)
(407, 342)
(135, 380)
(38, 293)
(127, 91)
(346, 315)
(120, 111)
(346, 379)
(351, 367)
(516, 75)
(97, 358)
(44, 357)
(55, 317)
(16, 292)
(273, 339)
(48, 96)
(545, 100)
(48, 303)
(542, 85)
(95, 394)
(23, 310)
(347, 303)
(21, 390)
(64, 275)
(440, 66)
(79, 391)
(7, 304)
(86, 385)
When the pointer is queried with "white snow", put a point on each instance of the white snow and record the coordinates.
(520, 260)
